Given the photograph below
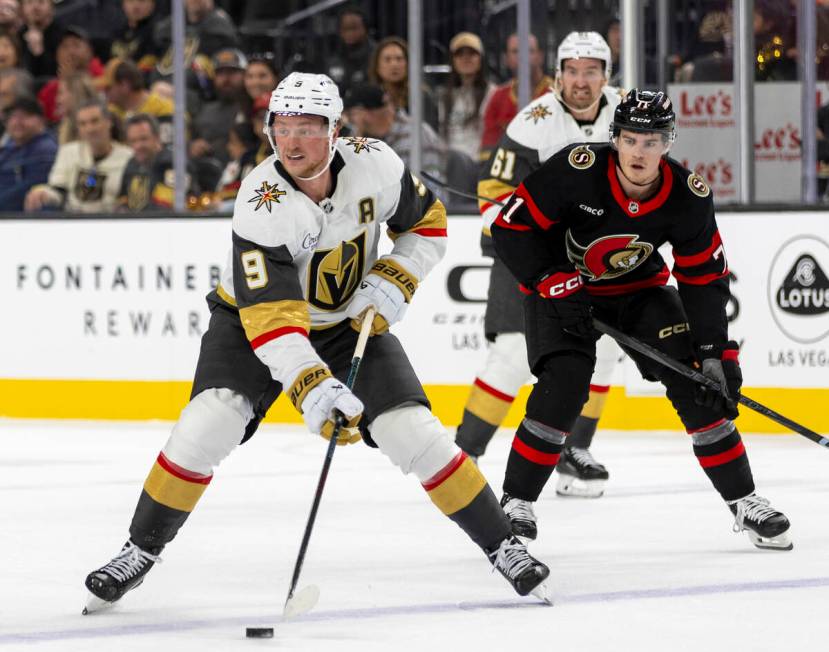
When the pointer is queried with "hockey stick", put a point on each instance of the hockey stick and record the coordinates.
(455, 191)
(697, 377)
(308, 596)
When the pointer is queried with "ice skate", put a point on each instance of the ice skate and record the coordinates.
(580, 475)
(524, 572)
(109, 583)
(766, 527)
(521, 515)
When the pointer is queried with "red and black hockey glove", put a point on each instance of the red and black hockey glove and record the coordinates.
(721, 362)
(569, 303)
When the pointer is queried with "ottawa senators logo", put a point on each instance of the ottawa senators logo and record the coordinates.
(582, 157)
(608, 257)
(334, 274)
(698, 186)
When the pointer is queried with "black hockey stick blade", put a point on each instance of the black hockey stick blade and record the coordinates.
(307, 598)
(702, 379)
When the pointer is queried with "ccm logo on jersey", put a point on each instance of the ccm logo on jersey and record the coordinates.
(676, 329)
(559, 285)
(592, 211)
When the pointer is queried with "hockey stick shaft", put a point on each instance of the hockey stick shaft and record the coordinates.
(702, 379)
(339, 421)
(455, 191)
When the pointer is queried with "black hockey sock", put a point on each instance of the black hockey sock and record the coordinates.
(474, 434)
(725, 462)
(582, 433)
(461, 492)
(535, 452)
(483, 413)
(170, 493)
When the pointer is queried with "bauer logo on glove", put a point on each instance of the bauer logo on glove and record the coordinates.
(388, 288)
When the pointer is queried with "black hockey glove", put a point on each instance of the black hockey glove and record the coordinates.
(569, 302)
(720, 362)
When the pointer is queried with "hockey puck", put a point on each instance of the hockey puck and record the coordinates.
(259, 632)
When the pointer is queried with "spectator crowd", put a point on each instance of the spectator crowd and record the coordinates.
(86, 96)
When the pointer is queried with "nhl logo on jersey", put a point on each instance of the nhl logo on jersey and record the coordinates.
(633, 207)
(582, 157)
(698, 186)
(265, 195)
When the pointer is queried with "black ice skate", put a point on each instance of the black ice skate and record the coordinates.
(579, 474)
(524, 572)
(766, 527)
(520, 513)
(109, 583)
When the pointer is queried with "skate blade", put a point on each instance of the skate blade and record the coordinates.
(569, 486)
(94, 604)
(542, 593)
(301, 602)
(780, 542)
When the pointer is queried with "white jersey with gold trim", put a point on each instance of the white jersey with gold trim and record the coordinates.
(296, 264)
(537, 132)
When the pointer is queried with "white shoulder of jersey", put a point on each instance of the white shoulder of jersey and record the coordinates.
(370, 165)
(531, 125)
(267, 207)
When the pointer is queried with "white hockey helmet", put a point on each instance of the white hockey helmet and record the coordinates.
(584, 45)
(306, 93)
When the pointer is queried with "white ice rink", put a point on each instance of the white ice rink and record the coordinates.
(651, 566)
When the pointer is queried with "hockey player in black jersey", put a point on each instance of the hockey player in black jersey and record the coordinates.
(581, 235)
(579, 108)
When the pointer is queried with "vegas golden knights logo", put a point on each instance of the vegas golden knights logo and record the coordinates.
(334, 274)
(608, 257)
(138, 192)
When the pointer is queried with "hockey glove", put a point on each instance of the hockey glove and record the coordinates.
(569, 302)
(320, 397)
(720, 362)
(388, 287)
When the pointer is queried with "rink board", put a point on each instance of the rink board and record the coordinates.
(104, 319)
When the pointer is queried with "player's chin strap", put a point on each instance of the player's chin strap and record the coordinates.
(324, 167)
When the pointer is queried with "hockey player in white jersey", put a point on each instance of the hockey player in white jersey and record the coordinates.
(304, 269)
(580, 108)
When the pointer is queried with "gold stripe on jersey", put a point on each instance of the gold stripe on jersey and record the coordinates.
(225, 296)
(432, 223)
(492, 189)
(261, 318)
(305, 382)
(458, 489)
(172, 491)
(595, 404)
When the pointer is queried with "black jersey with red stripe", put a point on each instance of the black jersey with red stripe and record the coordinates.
(572, 213)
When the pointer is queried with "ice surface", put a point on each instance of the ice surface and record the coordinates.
(653, 565)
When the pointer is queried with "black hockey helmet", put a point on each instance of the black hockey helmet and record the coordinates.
(645, 111)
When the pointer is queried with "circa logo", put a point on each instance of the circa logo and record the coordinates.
(799, 289)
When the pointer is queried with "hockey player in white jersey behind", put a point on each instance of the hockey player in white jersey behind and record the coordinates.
(579, 109)
(304, 269)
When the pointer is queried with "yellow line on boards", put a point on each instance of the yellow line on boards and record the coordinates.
(143, 400)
